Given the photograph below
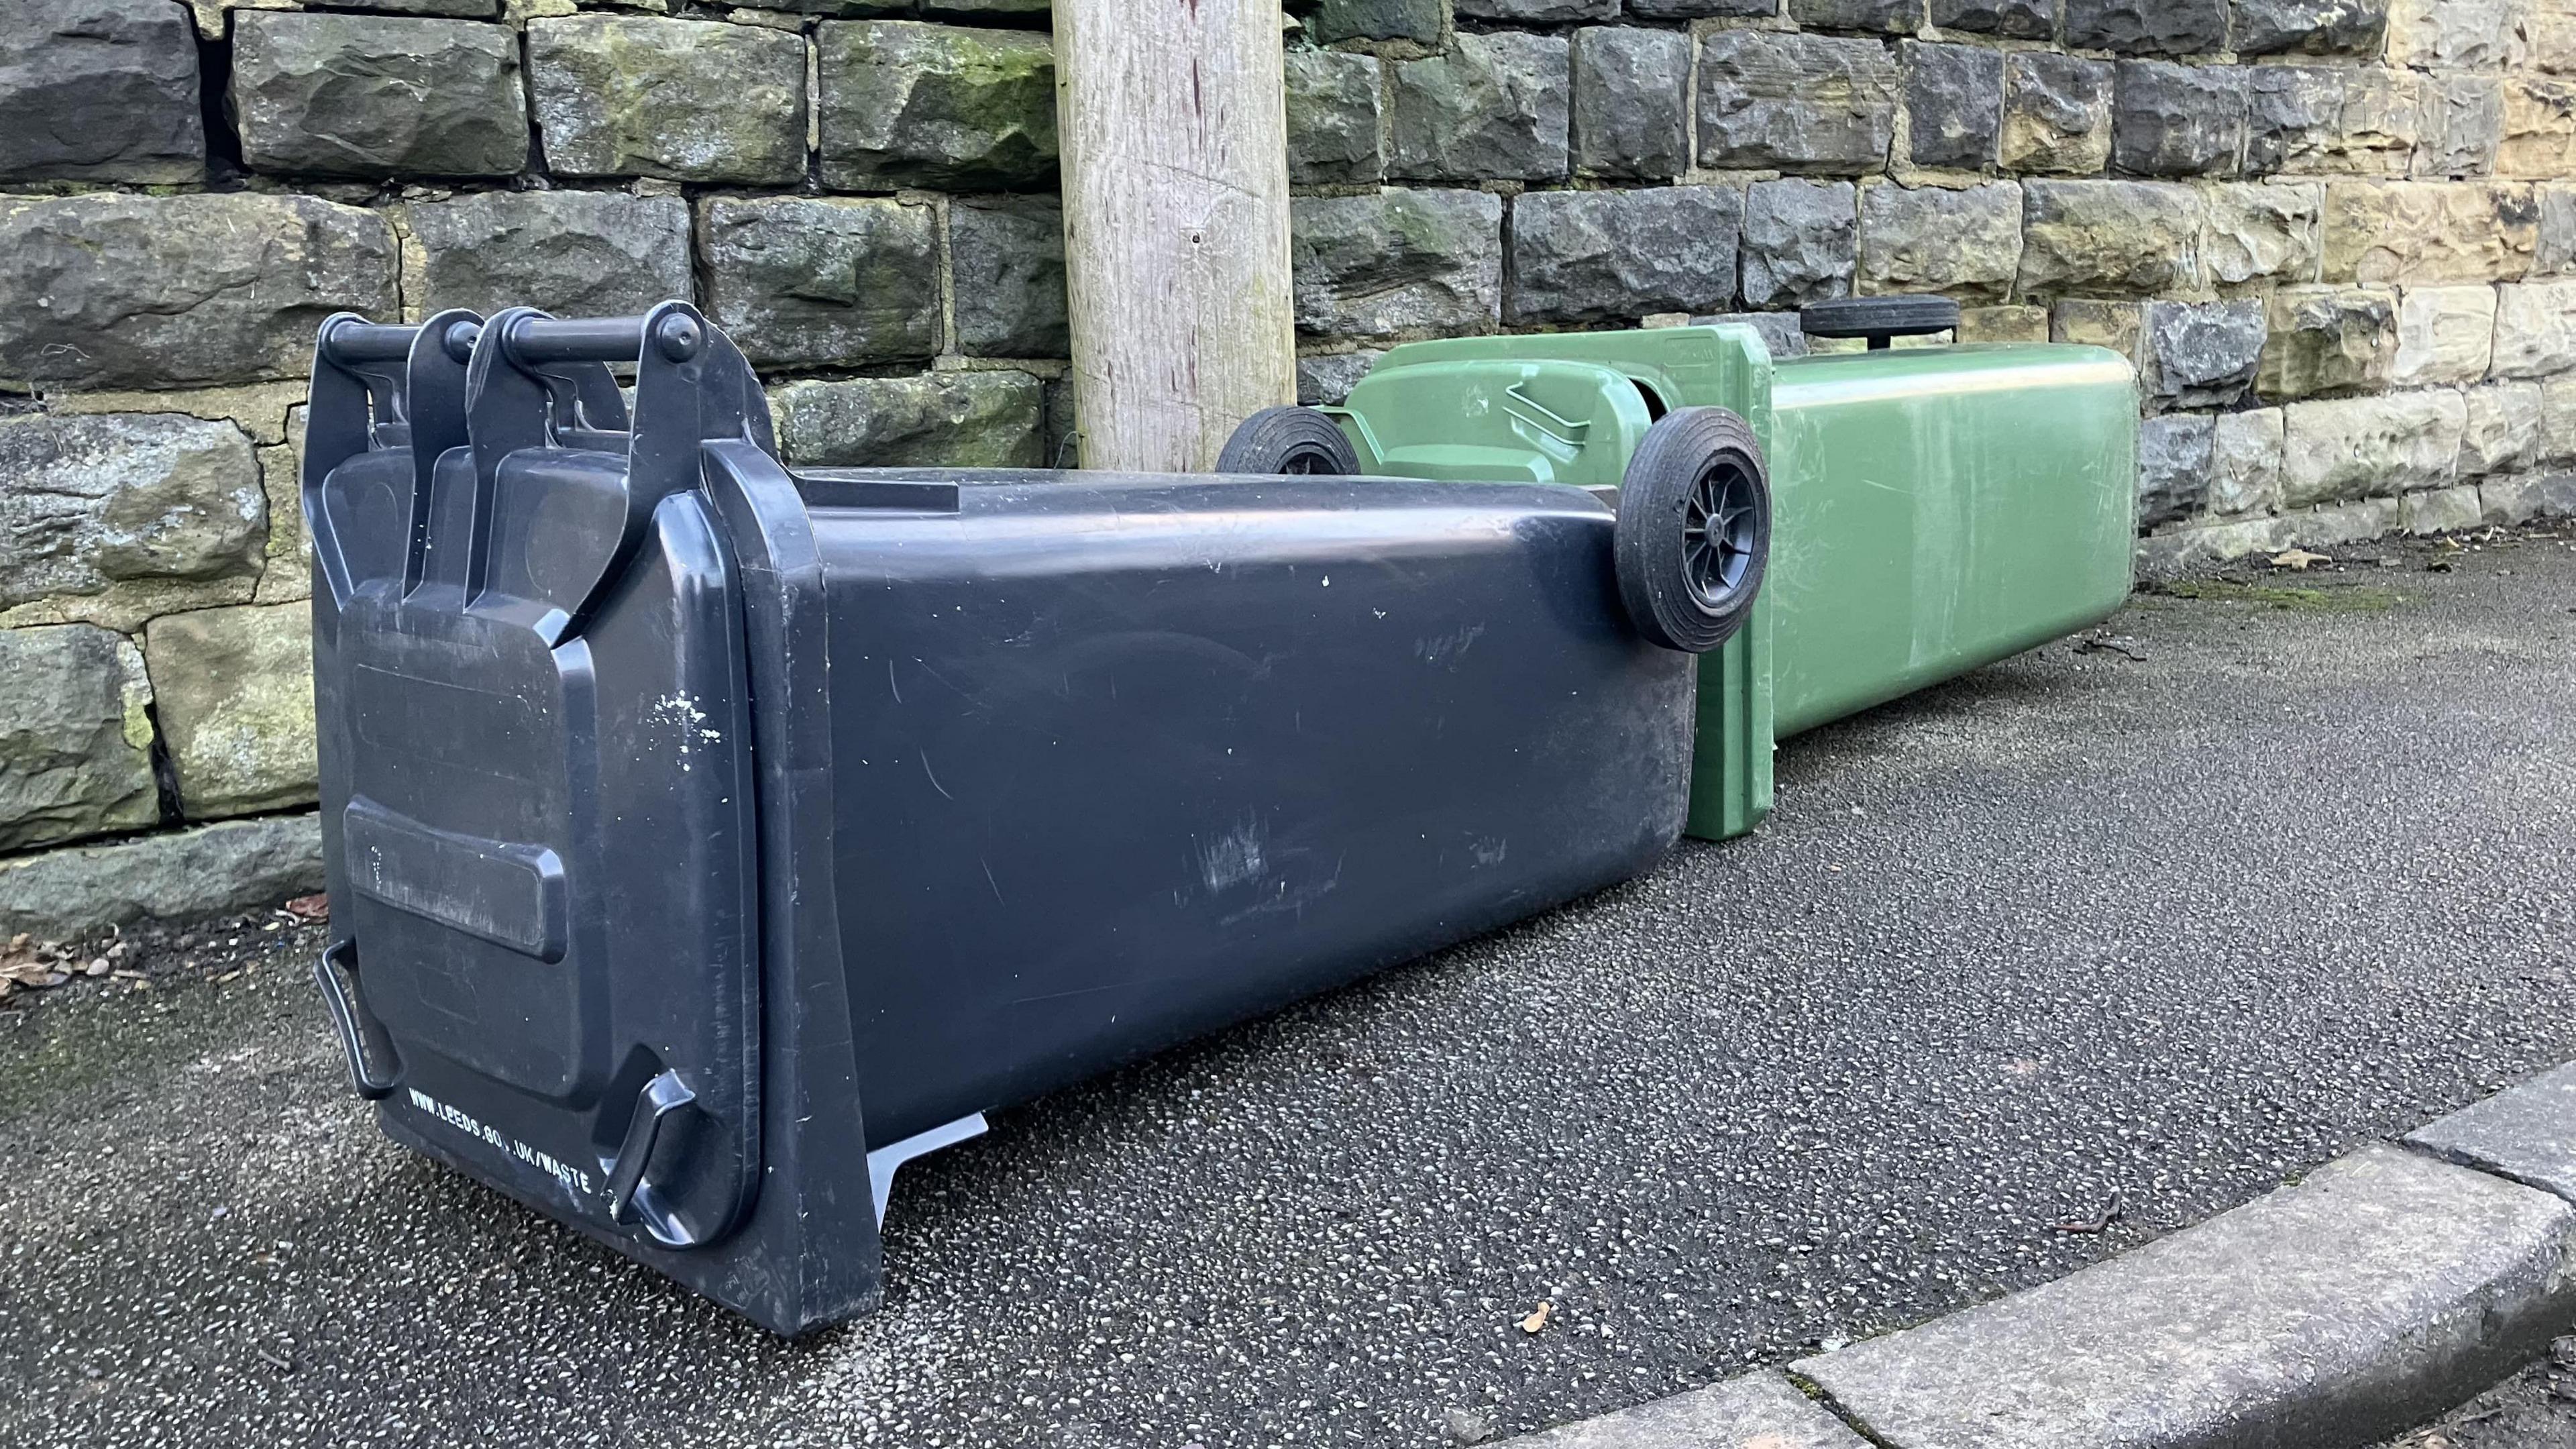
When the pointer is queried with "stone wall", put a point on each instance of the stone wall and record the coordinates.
(2338, 237)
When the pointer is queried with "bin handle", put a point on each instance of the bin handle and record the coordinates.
(630, 1197)
(360, 1037)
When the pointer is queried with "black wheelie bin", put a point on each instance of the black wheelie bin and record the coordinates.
(707, 837)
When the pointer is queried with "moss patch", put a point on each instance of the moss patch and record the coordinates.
(2354, 599)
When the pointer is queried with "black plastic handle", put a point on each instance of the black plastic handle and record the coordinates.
(630, 1197)
(536, 341)
(360, 1037)
(350, 343)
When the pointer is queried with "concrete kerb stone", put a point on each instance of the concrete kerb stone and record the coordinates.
(2383, 1288)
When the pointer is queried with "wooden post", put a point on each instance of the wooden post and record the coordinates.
(1174, 136)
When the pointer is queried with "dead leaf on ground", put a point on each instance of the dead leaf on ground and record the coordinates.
(2299, 559)
(1538, 1318)
(316, 907)
(2103, 641)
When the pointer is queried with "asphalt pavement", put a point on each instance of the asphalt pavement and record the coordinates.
(2081, 949)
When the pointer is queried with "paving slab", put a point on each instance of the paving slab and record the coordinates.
(1757, 1411)
(2383, 1288)
(2527, 1134)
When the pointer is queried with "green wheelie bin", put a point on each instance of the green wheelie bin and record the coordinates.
(1931, 509)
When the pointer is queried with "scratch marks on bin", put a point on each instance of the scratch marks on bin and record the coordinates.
(1234, 857)
(934, 779)
(1451, 647)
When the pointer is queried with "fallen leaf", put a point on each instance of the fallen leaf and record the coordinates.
(1538, 1318)
(316, 907)
(2299, 559)
(97, 967)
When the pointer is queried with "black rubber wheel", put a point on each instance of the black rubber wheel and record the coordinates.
(1879, 318)
(1289, 441)
(1694, 530)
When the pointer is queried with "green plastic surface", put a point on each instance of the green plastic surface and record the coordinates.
(1933, 509)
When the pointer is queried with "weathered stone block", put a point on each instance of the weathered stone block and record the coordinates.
(2017, 19)
(2445, 336)
(960, 419)
(2549, 37)
(1631, 93)
(2147, 27)
(1537, 12)
(100, 90)
(2119, 326)
(1954, 98)
(286, 570)
(2179, 120)
(2422, 232)
(1801, 242)
(2245, 462)
(2530, 123)
(1333, 118)
(110, 518)
(2511, 501)
(2535, 330)
(1795, 102)
(2461, 128)
(2332, 120)
(1495, 107)
(572, 253)
(2330, 340)
(2502, 429)
(1966, 243)
(2558, 421)
(2202, 355)
(2310, 27)
(1323, 382)
(172, 875)
(75, 738)
(2452, 34)
(1416, 20)
(2110, 238)
(179, 291)
(692, 100)
(449, 9)
(813, 281)
(2557, 251)
(2261, 233)
(1009, 260)
(1888, 17)
(2174, 455)
(1400, 262)
(1694, 9)
(1599, 256)
(911, 104)
(364, 95)
(2003, 324)
(235, 694)
(2440, 510)
(2369, 446)
(2057, 113)
(1780, 332)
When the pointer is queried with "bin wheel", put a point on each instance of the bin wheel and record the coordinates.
(1289, 441)
(1694, 530)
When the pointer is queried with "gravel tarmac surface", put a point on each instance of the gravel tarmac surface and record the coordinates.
(2025, 970)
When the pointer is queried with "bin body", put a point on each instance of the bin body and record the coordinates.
(696, 828)
(1933, 509)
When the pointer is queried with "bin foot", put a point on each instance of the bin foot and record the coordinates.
(883, 1161)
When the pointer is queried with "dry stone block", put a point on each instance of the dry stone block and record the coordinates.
(2110, 238)
(1803, 103)
(1801, 241)
(1631, 89)
(2147, 27)
(906, 103)
(2558, 421)
(2461, 128)
(100, 90)
(2452, 34)
(1600, 256)
(1954, 96)
(171, 875)
(2003, 324)
(2118, 326)
(2346, 448)
(2503, 430)
(1781, 335)
(2201, 354)
(2178, 120)
(817, 281)
(2057, 113)
(1415, 20)
(2245, 462)
(1009, 259)
(1495, 107)
(691, 100)
(2423, 232)
(2328, 341)
(235, 694)
(2332, 120)
(2532, 126)
(286, 571)
(2310, 27)
(75, 737)
(1324, 382)
(2261, 233)
(2549, 33)
(2535, 330)
(953, 419)
(2174, 457)
(1967, 243)
(572, 253)
(2440, 510)
(2015, 19)
(364, 95)
(2557, 253)
(2445, 335)
(1333, 118)
(1537, 12)
(1888, 17)
(104, 291)
(1399, 262)
(2510, 501)
(110, 518)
